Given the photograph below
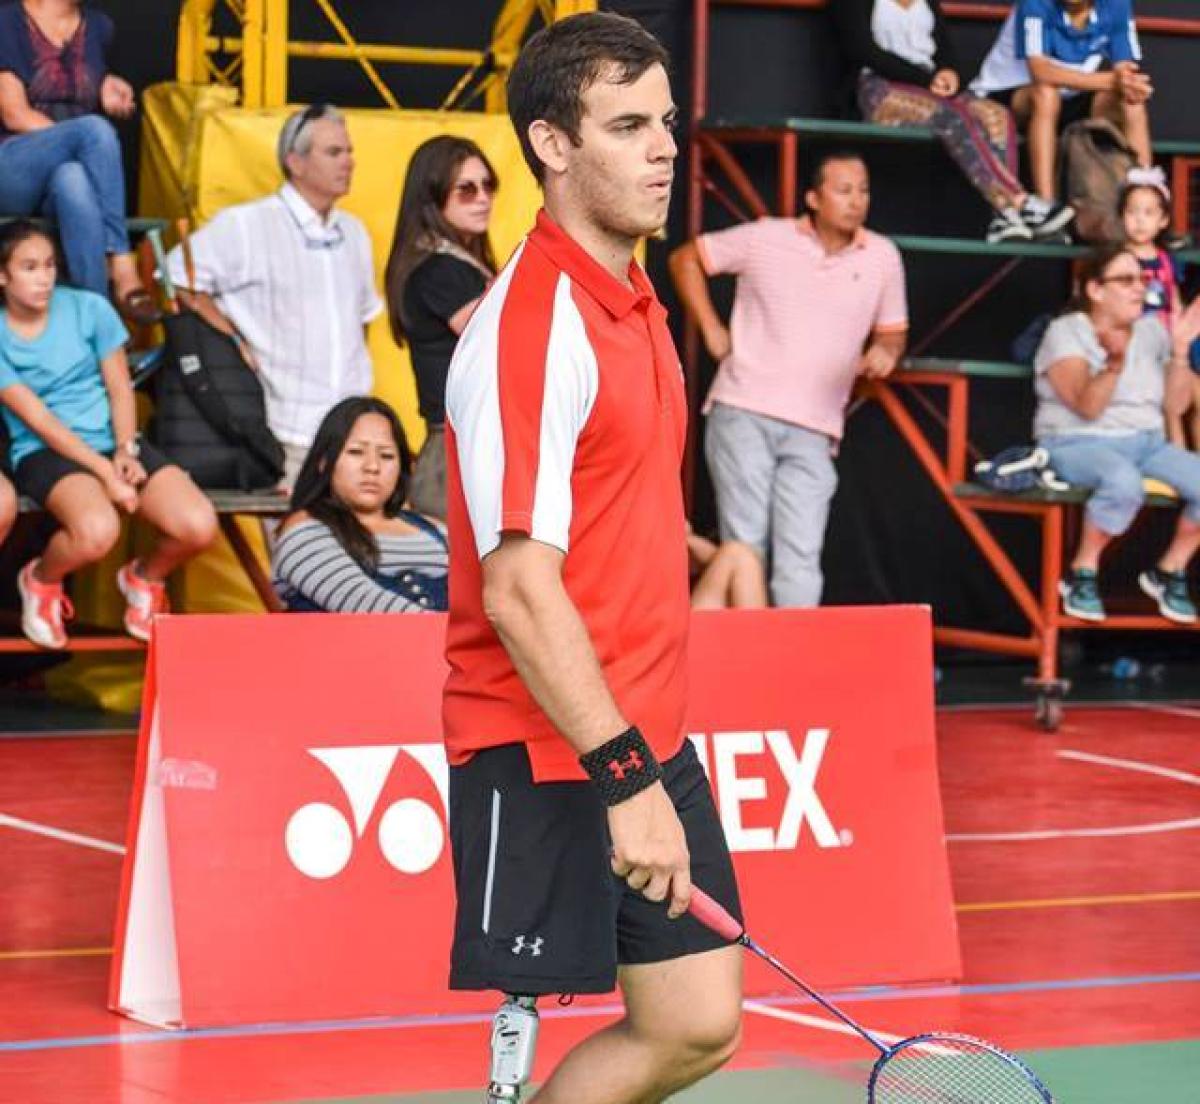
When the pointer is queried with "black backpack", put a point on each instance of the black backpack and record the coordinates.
(210, 414)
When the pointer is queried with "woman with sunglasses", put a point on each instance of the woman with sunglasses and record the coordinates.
(440, 266)
(1105, 376)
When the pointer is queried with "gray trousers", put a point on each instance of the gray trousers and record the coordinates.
(774, 482)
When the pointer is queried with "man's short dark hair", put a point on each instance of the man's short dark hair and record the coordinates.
(817, 177)
(562, 61)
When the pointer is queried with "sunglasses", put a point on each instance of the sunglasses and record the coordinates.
(310, 115)
(469, 190)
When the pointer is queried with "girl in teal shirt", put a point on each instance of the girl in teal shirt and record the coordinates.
(69, 407)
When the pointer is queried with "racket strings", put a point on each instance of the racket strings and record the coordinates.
(947, 1070)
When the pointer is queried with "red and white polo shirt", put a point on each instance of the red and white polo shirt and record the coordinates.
(565, 421)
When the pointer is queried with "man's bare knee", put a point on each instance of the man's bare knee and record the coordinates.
(698, 1041)
(1045, 100)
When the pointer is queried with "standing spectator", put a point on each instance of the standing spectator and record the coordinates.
(909, 76)
(1104, 375)
(59, 156)
(440, 266)
(291, 277)
(68, 403)
(1058, 61)
(810, 295)
(349, 546)
(1145, 209)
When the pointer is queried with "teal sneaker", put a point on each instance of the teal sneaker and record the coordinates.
(1080, 592)
(1170, 590)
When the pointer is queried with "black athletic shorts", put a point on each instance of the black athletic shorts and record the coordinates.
(1074, 108)
(39, 472)
(539, 908)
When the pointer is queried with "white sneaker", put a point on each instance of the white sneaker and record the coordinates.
(1008, 226)
(44, 608)
(1046, 219)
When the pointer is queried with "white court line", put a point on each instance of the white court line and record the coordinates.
(7, 821)
(1132, 765)
(1095, 833)
(1173, 710)
(819, 1022)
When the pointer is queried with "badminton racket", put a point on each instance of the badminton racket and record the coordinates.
(931, 1068)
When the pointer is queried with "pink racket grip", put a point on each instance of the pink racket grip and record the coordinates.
(714, 917)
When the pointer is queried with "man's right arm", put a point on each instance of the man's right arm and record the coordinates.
(527, 604)
(691, 281)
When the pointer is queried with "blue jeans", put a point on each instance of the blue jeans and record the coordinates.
(71, 172)
(1115, 467)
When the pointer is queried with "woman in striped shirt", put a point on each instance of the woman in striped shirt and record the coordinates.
(349, 546)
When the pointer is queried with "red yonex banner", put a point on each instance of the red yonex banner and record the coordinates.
(288, 853)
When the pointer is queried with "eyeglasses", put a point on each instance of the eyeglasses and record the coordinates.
(333, 240)
(310, 115)
(1123, 279)
(468, 190)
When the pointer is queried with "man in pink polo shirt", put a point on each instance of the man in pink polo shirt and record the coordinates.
(819, 302)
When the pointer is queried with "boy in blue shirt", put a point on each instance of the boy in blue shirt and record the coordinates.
(1057, 61)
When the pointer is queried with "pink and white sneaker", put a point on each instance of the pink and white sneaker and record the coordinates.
(44, 608)
(143, 600)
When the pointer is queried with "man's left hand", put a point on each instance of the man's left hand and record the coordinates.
(876, 363)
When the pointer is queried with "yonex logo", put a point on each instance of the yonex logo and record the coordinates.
(802, 804)
(319, 838)
(633, 763)
(534, 946)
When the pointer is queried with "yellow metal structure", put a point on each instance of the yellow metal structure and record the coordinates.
(256, 60)
(208, 141)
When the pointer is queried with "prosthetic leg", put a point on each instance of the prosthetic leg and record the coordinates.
(514, 1039)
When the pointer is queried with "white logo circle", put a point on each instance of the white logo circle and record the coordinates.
(411, 836)
(319, 840)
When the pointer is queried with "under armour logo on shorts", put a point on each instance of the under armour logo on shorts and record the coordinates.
(534, 947)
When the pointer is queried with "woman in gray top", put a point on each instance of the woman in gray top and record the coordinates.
(1104, 377)
(349, 546)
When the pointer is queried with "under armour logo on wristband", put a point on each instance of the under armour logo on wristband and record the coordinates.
(632, 764)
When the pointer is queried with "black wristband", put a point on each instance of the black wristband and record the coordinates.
(622, 767)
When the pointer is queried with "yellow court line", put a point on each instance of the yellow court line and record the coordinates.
(59, 952)
(1075, 902)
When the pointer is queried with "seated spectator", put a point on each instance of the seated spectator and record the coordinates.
(1057, 61)
(291, 278)
(440, 266)
(819, 302)
(725, 576)
(1104, 375)
(349, 546)
(68, 402)
(1144, 207)
(909, 76)
(59, 156)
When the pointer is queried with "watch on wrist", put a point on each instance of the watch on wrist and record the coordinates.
(132, 447)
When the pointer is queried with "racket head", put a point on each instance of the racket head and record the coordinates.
(947, 1068)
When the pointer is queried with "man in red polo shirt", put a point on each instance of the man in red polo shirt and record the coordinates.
(578, 811)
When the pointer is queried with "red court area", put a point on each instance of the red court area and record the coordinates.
(1076, 862)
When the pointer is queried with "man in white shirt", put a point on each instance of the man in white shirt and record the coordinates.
(292, 278)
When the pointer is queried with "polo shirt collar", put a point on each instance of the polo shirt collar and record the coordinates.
(570, 257)
(859, 241)
(306, 215)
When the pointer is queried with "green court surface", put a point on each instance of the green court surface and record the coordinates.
(1156, 1073)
